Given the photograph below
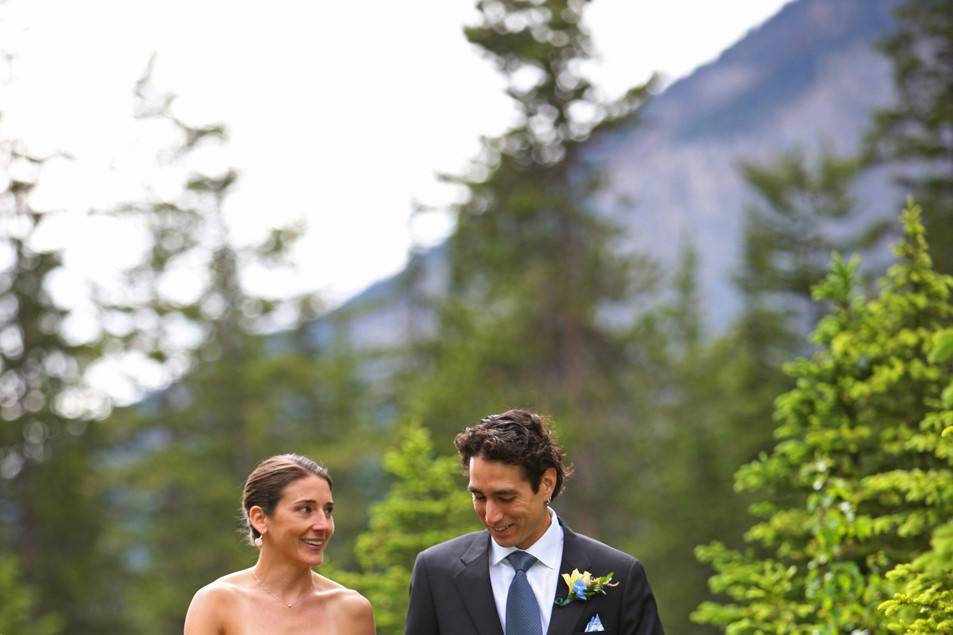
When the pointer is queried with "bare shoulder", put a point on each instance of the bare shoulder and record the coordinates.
(353, 609)
(212, 604)
(226, 589)
(353, 603)
(343, 598)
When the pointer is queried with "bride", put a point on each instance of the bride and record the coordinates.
(287, 507)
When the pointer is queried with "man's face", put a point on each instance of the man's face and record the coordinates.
(503, 498)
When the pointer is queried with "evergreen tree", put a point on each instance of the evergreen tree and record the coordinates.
(832, 526)
(537, 284)
(17, 614)
(237, 395)
(700, 430)
(711, 409)
(803, 214)
(917, 130)
(802, 211)
(426, 504)
(924, 601)
(51, 504)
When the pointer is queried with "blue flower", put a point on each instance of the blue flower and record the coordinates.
(583, 586)
(579, 589)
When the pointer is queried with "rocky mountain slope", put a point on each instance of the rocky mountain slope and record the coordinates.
(806, 79)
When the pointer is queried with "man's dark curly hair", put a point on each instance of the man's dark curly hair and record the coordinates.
(516, 437)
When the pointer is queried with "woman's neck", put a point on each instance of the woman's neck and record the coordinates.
(288, 581)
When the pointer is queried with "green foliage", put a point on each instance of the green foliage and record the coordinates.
(52, 503)
(788, 239)
(425, 505)
(527, 223)
(923, 605)
(917, 129)
(708, 412)
(923, 602)
(545, 304)
(17, 616)
(853, 486)
(712, 409)
(546, 311)
(235, 396)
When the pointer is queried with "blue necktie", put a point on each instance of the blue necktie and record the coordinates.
(522, 611)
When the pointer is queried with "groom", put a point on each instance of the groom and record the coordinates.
(508, 579)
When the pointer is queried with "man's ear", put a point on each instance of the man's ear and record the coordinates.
(547, 481)
(258, 519)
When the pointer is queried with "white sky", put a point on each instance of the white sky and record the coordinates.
(339, 113)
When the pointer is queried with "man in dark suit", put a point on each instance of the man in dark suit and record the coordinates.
(508, 579)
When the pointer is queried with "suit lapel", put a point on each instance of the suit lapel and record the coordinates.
(473, 582)
(564, 618)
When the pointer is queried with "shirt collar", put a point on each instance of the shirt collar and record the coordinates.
(548, 549)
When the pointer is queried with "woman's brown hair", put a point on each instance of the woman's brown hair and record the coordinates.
(267, 482)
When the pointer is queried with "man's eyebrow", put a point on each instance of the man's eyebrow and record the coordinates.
(499, 492)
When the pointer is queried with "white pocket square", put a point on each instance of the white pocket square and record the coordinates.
(594, 625)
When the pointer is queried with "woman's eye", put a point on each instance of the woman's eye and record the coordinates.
(305, 509)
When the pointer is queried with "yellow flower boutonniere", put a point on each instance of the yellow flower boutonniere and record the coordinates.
(583, 586)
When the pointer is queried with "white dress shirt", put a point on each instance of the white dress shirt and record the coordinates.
(543, 576)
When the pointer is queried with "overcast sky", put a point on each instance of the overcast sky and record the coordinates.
(339, 113)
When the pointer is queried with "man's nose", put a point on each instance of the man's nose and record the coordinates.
(493, 512)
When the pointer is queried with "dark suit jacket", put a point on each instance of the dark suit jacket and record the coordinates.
(450, 591)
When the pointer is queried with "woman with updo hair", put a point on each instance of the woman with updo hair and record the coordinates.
(287, 510)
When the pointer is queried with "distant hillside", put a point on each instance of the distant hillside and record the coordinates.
(806, 78)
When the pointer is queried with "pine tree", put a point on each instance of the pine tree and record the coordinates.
(236, 393)
(537, 280)
(832, 527)
(801, 211)
(924, 601)
(48, 491)
(802, 214)
(17, 614)
(706, 410)
(916, 132)
(426, 504)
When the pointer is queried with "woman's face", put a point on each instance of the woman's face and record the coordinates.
(302, 524)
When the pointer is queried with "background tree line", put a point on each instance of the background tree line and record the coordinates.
(111, 518)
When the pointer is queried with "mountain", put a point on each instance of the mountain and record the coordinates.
(806, 79)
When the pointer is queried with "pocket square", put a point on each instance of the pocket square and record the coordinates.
(594, 625)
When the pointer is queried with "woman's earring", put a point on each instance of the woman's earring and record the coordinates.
(258, 542)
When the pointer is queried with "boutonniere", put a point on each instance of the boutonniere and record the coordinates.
(583, 586)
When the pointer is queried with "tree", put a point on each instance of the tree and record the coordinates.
(235, 393)
(51, 421)
(923, 602)
(724, 392)
(917, 130)
(923, 605)
(17, 611)
(536, 280)
(426, 504)
(804, 214)
(708, 415)
(832, 527)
